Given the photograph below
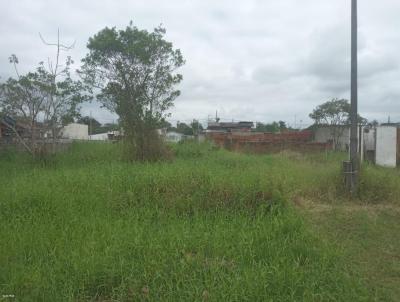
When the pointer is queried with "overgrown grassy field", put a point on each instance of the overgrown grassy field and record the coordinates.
(208, 225)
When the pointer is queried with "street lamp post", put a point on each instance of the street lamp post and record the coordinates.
(354, 158)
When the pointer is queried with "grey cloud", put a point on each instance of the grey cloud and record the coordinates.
(257, 60)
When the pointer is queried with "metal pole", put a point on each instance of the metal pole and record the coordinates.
(354, 100)
(90, 126)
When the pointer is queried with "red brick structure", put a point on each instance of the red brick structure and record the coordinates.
(268, 142)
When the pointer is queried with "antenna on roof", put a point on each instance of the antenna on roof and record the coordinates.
(216, 116)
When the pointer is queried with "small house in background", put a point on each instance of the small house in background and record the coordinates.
(174, 137)
(107, 136)
(230, 127)
(75, 131)
(8, 127)
(6, 132)
(115, 135)
(99, 137)
(162, 132)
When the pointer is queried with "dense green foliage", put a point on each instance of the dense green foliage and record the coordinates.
(272, 127)
(95, 127)
(135, 71)
(209, 225)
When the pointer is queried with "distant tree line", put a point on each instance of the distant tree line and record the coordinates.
(95, 127)
(194, 128)
(273, 127)
(334, 113)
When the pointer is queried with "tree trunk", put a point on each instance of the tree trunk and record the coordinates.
(33, 138)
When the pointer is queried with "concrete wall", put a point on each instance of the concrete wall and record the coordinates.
(386, 146)
(173, 137)
(369, 139)
(324, 135)
(76, 131)
(99, 137)
(201, 138)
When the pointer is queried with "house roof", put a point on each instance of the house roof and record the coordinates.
(239, 125)
(8, 121)
(391, 124)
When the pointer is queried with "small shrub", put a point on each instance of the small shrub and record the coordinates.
(148, 146)
(379, 185)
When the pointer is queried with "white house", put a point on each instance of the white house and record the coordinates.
(110, 135)
(174, 137)
(99, 137)
(75, 131)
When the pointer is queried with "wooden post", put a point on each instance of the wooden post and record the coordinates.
(398, 147)
(348, 173)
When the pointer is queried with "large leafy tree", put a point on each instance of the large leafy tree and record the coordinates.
(196, 126)
(135, 71)
(184, 128)
(273, 127)
(335, 114)
(93, 124)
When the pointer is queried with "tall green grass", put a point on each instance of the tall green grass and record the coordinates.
(208, 225)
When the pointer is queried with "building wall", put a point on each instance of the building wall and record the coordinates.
(386, 146)
(174, 137)
(300, 141)
(369, 139)
(99, 137)
(76, 131)
(368, 144)
(324, 135)
(201, 138)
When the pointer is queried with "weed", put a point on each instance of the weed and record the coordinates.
(210, 225)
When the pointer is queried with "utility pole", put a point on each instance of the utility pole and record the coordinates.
(90, 125)
(352, 177)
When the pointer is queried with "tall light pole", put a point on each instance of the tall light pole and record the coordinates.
(354, 158)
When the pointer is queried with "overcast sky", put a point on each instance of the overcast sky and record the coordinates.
(258, 60)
